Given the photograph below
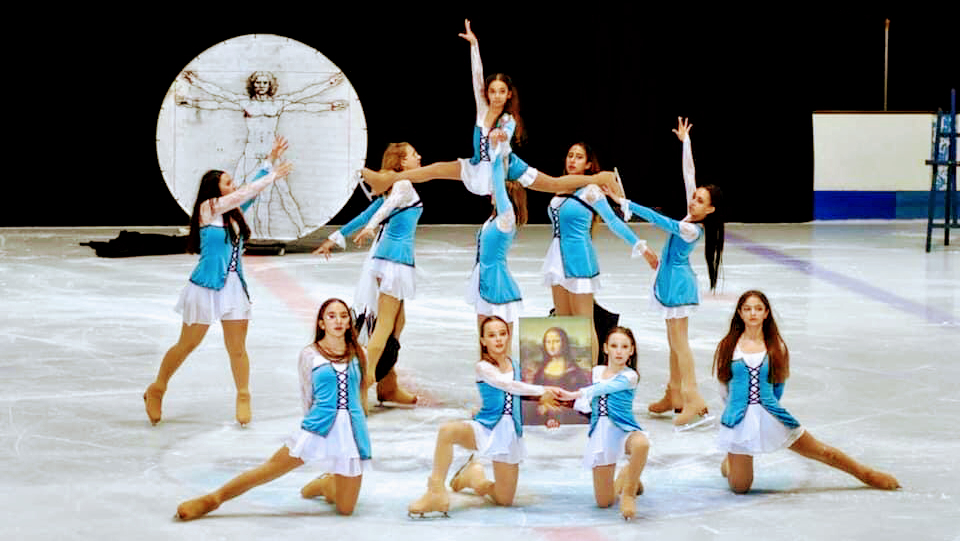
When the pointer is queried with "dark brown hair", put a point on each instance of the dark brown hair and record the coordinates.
(777, 350)
(353, 347)
(210, 189)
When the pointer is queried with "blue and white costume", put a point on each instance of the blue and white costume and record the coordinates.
(391, 257)
(217, 289)
(609, 401)
(753, 421)
(478, 171)
(571, 260)
(333, 432)
(492, 290)
(498, 426)
(675, 291)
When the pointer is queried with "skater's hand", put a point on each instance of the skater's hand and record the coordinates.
(364, 235)
(565, 395)
(280, 146)
(324, 249)
(683, 128)
(651, 258)
(497, 136)
(468, 34)
(552, 423)
(612, 189)
(282, 170)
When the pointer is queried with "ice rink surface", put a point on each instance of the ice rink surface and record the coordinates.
(872, 323)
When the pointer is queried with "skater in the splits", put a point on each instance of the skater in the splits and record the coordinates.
(613, 429)
(388, 276)
(752, 363)
(675, 292)
(496, 431)
(333, 433)
(217, 290)
(498, 124)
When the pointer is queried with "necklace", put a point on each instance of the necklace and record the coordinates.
(331, 356)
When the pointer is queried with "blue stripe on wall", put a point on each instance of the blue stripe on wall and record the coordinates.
(849, 205)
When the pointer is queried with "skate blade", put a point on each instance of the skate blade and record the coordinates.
(431, 515)
(702, 420)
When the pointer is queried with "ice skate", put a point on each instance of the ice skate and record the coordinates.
(243, 407)
(628, 498)
(152, 401)
(436, 500)
(321, 486)
(669, 402)
(471, 476)
(389, 391)
(197, 507)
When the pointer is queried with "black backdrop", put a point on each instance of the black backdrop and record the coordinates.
(617, 77)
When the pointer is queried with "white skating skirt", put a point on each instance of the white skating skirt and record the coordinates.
(478, 177)
(669, 312)
(204, 305)
(759, 432)
(334, 453)
(397, 280)
(509, 312)
(500, 444)
(607, 444)
(553, 274)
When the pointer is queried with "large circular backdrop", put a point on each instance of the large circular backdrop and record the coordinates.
(224, 110)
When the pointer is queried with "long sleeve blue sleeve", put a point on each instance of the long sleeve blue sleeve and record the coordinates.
(361, 220)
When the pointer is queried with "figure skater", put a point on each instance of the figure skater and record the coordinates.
(752, 364)
(217, 289)
(570, 268)
(388, 277)
(496, 431)
(492, 291)
(498, 123)
(333, 432)
(613, 428)
(675, 292)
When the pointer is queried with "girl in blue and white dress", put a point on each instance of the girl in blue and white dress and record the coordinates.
(498, 124)
(752, 364)
(388, 276)
(570, 268)
(492, 291)
(675, 290)
(217, 289)
(333, 433)
(613, 429)
(496, 431)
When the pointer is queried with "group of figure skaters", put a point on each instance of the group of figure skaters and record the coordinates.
(336, 371)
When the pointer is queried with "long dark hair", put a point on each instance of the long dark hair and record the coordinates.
(713, 231)
(632, 360)
(777, 350)
(210, 189)
(511, 107)
(484, 354)
(353, 347)
(518, 198)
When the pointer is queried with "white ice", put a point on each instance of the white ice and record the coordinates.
(872, 322)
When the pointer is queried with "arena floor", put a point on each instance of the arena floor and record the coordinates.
(871, 322)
